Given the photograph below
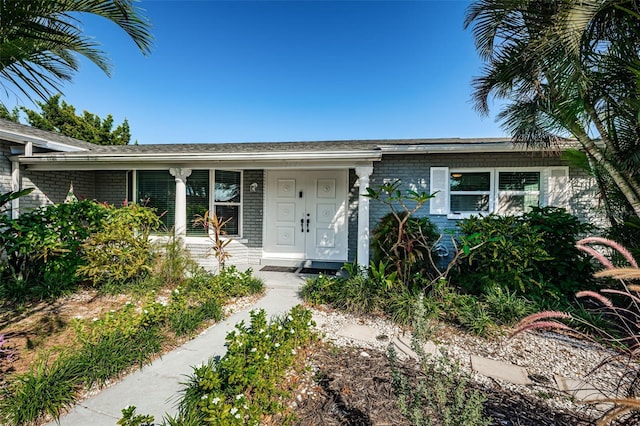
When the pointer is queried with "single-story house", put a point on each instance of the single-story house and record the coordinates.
(291, 202)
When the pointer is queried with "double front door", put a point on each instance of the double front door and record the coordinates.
(306, 215)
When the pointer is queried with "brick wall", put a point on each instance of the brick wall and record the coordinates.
(52, 187)
(111, 186)
(5, 167)
(252, 208)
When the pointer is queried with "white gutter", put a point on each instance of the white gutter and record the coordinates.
(200, 157)
(450, 148)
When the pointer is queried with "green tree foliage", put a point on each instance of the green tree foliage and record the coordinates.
(566, 69)
(40, 40)
(62, 118)
(13, 115)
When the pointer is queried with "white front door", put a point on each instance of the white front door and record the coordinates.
(306, 215)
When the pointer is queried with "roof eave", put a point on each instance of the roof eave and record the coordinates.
(262, 159)
(39, 142)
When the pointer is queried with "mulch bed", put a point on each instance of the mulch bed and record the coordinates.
(350, 389)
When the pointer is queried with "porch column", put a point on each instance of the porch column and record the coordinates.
(363, 215)
(15, 186)
(180, 224)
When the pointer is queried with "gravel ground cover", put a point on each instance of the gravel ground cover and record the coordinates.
(349, 380)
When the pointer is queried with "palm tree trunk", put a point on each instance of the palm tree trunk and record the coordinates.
(621, 181)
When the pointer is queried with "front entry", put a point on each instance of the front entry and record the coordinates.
(306, 215)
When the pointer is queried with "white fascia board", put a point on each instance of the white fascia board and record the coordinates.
(43, 143)
(461, 148)
(449, 148)
(155, 161)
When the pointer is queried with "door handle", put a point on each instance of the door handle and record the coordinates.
(301, 225)
(308, 221)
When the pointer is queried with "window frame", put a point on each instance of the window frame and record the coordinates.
(494, 191)
(489, 192)
(508, 192)
(240, 204)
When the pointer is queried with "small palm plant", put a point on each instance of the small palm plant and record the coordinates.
(621, 310)
(215, 225)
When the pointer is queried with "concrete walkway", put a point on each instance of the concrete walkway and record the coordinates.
(155, 389)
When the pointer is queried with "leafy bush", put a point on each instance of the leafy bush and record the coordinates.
(43, 248)
(246, 384)
(533, 255)
(568, 269)
(508, 251)
(403, 240)
(120, 250)
(406, 249)
(355, 293)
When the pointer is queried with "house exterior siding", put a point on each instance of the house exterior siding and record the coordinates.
(52, 187)
(253, 214)
(5, 167)
(111, 186)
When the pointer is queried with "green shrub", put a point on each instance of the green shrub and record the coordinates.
(356, 293)
(506, 307)
(245, 385)
(320, 289)
(568, 269)
(533, 255)
(403, 241)
(237, 284)
(120, 251)
(509, 250)
(43, 248)
(173, 262)
(405, 251)
(229, 282)
(400, 305)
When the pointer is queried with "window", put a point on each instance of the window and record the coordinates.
(470, 191)
(157, 189)
(465, 192)
(197, 189)
(517, 192)
(228, 199)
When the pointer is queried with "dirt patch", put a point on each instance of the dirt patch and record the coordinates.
(34, 329)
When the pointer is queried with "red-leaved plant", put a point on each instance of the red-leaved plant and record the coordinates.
(621, 310)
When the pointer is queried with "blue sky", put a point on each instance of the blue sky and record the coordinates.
(241, 71)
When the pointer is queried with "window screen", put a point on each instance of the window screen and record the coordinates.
(197, 188)
(157, 189)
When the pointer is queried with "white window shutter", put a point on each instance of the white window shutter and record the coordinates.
(558, 189)
(439, 181)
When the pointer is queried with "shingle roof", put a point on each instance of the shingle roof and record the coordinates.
(18, 129)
